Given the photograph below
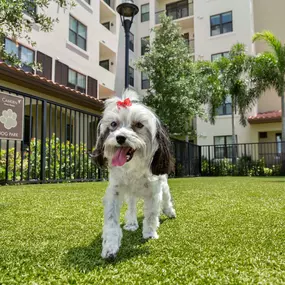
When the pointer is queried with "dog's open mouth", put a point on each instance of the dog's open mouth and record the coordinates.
(122, 155)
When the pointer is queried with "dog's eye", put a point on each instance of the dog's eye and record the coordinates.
(114, 124)
(139, 125)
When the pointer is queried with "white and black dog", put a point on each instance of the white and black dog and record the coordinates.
(134, 146)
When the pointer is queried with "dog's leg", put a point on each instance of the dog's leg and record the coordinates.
(131, 214)
(167, 206)
(151, 212)
(112, 233)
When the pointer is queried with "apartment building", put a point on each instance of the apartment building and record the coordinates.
(211, 27)
(142, 33)
(81, 51)
(85, 52)
(79, 63)
(214, 37)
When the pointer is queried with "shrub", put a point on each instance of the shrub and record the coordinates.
(64, 160)
(244, 167)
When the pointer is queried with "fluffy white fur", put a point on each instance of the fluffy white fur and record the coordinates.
(134, 179)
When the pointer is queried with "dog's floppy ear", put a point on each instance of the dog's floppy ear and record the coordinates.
(98, 154)
(162, 162)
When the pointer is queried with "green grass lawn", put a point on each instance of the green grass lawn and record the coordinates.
(227, 231)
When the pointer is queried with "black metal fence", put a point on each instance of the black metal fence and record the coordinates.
(187, 158)
(57, 140)
(252, 159)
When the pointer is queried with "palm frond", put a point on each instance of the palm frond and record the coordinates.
(271, 40)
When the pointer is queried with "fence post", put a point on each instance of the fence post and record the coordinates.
(189, 159)
(200, 160)
(209, 157)
(43, 141)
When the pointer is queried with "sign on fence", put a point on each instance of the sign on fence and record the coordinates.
(11, 116)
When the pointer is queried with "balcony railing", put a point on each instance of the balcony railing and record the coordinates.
(182, 11)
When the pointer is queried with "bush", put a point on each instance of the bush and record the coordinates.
(244, 167)
(64, 161)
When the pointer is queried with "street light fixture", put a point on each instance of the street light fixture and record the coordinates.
(127, 11)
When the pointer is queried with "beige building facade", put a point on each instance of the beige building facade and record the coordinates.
(86, 51)
(248, 17)
(212, 27)
(81, 51)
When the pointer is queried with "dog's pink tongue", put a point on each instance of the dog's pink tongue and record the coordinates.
(120, 157)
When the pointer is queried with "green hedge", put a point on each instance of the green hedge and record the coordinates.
(70, 155)
(245, 166)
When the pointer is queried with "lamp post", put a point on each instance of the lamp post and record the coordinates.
(127, 11)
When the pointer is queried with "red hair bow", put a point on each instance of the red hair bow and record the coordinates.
(124, 104)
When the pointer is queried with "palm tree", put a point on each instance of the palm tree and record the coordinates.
(233, 76)
(271, 69)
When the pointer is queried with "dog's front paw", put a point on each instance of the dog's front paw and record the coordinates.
(150, 235)
(109, 252)
(131, 227)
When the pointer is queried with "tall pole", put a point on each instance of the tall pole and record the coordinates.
(127, 27)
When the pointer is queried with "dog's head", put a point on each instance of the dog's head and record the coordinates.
(130, 133)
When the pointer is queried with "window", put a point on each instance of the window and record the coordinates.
(221, 23)
(145, 13)
(92, 87)
(77, 33)
(25, 55)
(105, 64)
(132, 40)
(225, 108)
(106, 25)
(145, 81)
(30, 8)
(144, 45)
(46, 64)
(224, 147)
(69, 133)
(76, 80)
(219, 55)
(131, 76)
(263, 135)
(186, 38)
(108, 2)
(178, 9)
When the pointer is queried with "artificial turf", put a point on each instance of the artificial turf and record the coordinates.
(227, 231)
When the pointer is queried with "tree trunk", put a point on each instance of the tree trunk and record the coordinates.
(283, 117)
(283, 134)
(233, 134)
(187, 136)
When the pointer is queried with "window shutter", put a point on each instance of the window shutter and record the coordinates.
(92, 87)
(61, 73)
(46, 62)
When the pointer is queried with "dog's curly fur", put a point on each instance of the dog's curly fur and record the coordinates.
(143, 176)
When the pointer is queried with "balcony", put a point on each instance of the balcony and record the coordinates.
(107, 9)
(106, 71)
(105, 92)
(181, 12)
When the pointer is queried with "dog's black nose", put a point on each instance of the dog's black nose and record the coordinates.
(120, 139)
